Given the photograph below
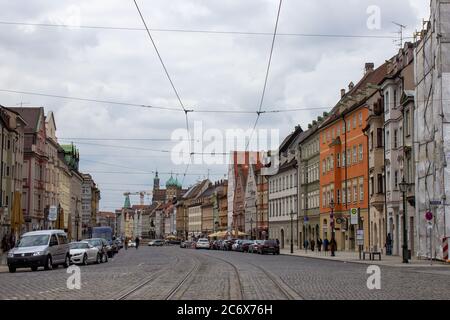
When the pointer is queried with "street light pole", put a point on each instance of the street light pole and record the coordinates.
(333, 241)
(292, 231)
(403, 188)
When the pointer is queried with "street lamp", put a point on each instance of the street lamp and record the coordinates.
(333, 241)
(404, 188)
(292, 231)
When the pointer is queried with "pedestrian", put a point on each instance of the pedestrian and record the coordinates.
(333, 246)
(306, 244)
(126, 243)
(278, 242)
(313, 243)
(137, 242)
(388, 244)
(325, 246)
(319, 245)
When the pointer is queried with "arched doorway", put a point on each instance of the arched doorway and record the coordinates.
(282, 239)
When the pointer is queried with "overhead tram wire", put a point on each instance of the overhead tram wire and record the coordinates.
(199, 31)
(88, 100)
(225, 110)
(267, 75)
(171, 83)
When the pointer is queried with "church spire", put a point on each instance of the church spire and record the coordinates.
(156, 181)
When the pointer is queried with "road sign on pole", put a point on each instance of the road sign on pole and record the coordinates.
(354, 216)
(429, 215)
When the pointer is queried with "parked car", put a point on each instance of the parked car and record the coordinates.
(215, 245)
(268, 246)
(245, 244)
(102, 246)
(156, 243)
(236, 245)
(226, 245)
(254, 247)
(119, 243)
(46, 248)
(131, 244)
(82, 253)
(202, 243)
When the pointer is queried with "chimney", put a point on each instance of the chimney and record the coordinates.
(351, 85)
(342, 93)
(369, 67)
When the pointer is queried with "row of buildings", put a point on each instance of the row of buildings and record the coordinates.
(40, 182)
(369, 174)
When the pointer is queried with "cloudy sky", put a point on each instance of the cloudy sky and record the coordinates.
(211, 71)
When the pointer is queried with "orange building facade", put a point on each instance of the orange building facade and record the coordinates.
(343, 177)
(344, 161)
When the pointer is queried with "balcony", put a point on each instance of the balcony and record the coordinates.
(377, 201)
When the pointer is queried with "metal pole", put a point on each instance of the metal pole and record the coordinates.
(292, 232)
(405, 236)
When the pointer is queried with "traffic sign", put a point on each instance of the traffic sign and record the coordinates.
(435, 202)
(429, 215)
(354, 216)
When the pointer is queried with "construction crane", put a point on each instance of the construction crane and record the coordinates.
(140, 193)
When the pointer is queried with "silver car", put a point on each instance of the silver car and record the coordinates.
(46, 248)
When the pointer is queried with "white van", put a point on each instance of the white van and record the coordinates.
(46, 248)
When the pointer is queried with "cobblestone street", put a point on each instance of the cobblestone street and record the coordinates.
(175, 273)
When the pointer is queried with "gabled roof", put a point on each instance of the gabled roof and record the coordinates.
(372, 77)
(31, 115)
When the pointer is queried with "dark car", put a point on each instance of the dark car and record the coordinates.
(244, 245)
(268, 246)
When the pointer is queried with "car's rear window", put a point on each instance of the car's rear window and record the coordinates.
(271, 242)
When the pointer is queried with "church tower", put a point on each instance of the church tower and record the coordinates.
(156, 181)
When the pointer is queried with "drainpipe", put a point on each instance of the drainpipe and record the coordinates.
(346, 164)
(368, 187)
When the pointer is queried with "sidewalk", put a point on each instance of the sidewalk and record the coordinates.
(353, 257)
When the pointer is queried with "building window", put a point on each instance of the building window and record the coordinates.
(355, 192)
(338, 196)
(361, 189)
(355, 155)
(360, 119)
(349, 157)
(395, 99)
(338, 131)
(324, 167)
(396, 179)
(338, 160)
(395, 139)
(324, 200)
(343, 159)
(379, 137)
(407, 126)
(371, 187)
(386, 102)
(380, 183)
(349, 125)
(354, 122)
(343, 127)
(360, 152)
(332, 162)
(388, 143)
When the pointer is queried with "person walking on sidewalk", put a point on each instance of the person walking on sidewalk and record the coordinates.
(137, 242)
(325, 246)
(313, 243)
(319, 245)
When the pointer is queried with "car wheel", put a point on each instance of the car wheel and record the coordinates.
(85, 262)
(48, 263)
(66, 263)
(12, 269)
(34, 268)
(99, 258)
(105, 258)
